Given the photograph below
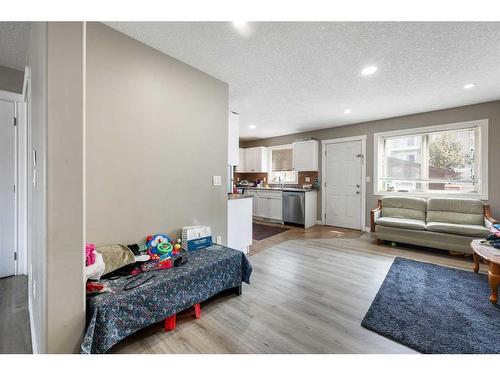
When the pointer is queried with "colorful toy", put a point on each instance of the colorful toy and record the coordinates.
(155, 240)
(164, 248)
(177, 247)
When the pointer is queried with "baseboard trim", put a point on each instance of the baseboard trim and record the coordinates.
(34, 347)
(319, 222)
(368, 229)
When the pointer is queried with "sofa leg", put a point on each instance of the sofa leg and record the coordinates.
(379, 241)
(455, 253)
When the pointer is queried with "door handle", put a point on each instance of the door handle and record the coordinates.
(357, 185)
(357, 192)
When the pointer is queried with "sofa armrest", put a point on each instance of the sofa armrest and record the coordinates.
(375, 214)
(488, 220)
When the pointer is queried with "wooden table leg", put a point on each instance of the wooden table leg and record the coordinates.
(494, 280)
(476, 261)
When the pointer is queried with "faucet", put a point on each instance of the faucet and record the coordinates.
(280, 183)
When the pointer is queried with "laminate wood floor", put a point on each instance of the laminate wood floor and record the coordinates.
(309, 292)
(15, 336)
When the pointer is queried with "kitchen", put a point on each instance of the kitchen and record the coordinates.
(276, 184)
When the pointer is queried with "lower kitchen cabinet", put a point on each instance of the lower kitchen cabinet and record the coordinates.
(300, 205)
(267, 204)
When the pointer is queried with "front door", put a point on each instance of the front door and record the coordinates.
(7, 194)
(343, 169)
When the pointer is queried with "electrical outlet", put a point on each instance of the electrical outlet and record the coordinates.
(218, 240)
(308, 179)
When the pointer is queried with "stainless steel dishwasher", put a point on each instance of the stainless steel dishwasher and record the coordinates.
(294, 207)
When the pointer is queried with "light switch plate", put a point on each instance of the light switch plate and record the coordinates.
(216, 180)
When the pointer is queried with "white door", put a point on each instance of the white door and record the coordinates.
(7, 195)
(343, 169)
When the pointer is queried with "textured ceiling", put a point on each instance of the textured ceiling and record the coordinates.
(296, 76)
(14, 39)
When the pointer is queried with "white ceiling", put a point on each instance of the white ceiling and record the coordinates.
(14, 39)
(289, 77)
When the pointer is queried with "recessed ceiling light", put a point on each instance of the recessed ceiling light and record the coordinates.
(252, 127)
(347, 111)
(369, 70)
(240, 25)
(469, 86)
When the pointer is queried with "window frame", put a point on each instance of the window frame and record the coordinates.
(270, 163)
(483, 157)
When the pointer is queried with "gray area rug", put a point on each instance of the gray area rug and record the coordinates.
(435, 309)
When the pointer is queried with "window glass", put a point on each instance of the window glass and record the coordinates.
(436, 162)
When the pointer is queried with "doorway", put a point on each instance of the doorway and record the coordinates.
(7, 189)
(344, 182)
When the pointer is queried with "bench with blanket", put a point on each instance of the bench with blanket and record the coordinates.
(120, 311)
(442, 223)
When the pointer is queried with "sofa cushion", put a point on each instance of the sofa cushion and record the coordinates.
(460, 229)
(455, 211)
(445, 241)
(397, 222)
(404, 208)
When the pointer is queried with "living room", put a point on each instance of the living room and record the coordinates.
(251, 184)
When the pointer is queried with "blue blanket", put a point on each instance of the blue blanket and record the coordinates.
(116, 314)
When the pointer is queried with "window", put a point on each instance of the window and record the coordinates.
(281, 160)
(446, 159)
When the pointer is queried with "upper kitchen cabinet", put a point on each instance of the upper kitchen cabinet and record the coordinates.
(305, 156)
(256, 159)
(241, 166)
(233, 141)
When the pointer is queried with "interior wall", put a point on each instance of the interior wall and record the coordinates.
(55, 194)
(156, 134)
(65, 176)
(490, 111)
(11, 80)
(37, 217)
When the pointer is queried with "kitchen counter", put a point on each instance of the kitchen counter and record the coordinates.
(238, 196)
(280, 189)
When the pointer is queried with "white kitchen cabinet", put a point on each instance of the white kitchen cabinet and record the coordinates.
(305, 156)
(261, 207)
(275, 208)
(240, 167)
(256, 159)
(267, 204)
(233, 141)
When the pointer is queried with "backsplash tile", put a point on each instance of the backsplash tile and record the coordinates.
(254, 176)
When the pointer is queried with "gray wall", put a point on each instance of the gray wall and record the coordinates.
(156, 134)
(65, 218)
(37, 217)
(490, 111)
(11, 80)
(55, 218)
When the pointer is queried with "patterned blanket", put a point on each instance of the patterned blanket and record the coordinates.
(118, 313)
